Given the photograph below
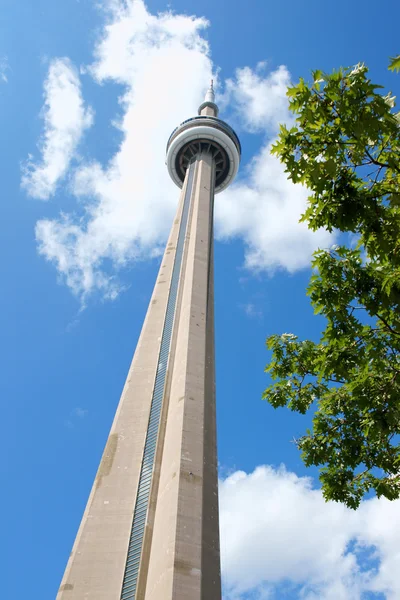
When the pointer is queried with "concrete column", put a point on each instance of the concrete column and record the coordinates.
(208, 111)
(184, 556)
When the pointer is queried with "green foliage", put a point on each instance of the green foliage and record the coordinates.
(345, 147)
(394, 64)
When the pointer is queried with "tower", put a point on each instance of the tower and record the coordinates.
(150, 528)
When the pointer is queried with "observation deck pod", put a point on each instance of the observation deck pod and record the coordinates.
(204, 133)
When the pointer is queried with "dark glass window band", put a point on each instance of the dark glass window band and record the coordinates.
(141, 507)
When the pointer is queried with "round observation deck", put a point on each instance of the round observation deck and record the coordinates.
(204, 133)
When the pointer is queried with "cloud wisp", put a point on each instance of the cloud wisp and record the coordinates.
(76, 415)
(125, 208)
(4, 67)
(252, 311)
(278, 533)
(65, 119)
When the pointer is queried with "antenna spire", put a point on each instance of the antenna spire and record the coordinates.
(210, 94)
(208, 106)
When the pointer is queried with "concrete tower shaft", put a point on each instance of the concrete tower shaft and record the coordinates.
(150, 529)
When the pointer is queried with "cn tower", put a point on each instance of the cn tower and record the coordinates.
(150, 528)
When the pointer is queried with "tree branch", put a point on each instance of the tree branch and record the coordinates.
(387, 325)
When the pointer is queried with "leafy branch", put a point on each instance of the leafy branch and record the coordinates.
(350, 378)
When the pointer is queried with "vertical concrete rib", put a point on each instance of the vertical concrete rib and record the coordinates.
(210, 558)
(195, 503)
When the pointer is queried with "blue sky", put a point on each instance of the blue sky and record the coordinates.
(90, 92)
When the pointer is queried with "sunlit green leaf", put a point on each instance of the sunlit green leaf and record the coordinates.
(394, 64)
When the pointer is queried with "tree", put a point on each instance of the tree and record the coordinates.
(345, 147)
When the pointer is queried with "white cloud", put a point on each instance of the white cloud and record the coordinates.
(277, 530)
(127, 206)
(65, 119)
(263, 209)
(259, 98)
